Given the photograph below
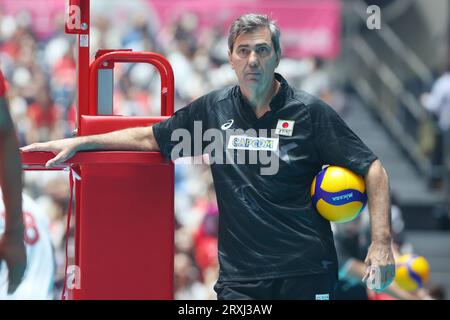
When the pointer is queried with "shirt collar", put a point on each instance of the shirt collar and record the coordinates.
(278, 100)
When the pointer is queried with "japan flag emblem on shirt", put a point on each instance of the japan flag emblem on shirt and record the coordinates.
(285, 127)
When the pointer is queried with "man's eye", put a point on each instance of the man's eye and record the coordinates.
(243, 51)
(263, 51)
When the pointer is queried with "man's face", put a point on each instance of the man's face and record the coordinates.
(254, 59)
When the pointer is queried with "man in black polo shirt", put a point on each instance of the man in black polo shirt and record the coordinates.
(267, 142)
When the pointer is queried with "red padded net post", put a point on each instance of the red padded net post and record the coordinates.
(124, 201)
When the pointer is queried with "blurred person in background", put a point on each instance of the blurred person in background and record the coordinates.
(13, 258)
(205, 244)
(317, 82)
(38, 280)
(437, 102)
(54, 202)
(187, 285)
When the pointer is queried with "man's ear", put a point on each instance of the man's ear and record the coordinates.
(277, 61)
(230, 60)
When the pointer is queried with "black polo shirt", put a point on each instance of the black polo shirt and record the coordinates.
(268, 227)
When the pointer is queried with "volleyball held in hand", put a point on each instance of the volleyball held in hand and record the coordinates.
(411, 272)
(338, 194)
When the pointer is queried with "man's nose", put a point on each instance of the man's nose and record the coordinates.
(253, 59)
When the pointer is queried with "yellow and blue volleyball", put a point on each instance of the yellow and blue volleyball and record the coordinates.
(338, 194)
(411, 272)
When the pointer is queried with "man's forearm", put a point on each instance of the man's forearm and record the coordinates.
(10, 173)
(132, 139)
(377, 185)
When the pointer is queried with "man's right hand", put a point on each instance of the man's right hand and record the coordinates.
(64, 150)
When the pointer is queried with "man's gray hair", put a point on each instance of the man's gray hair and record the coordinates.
(248, 23)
